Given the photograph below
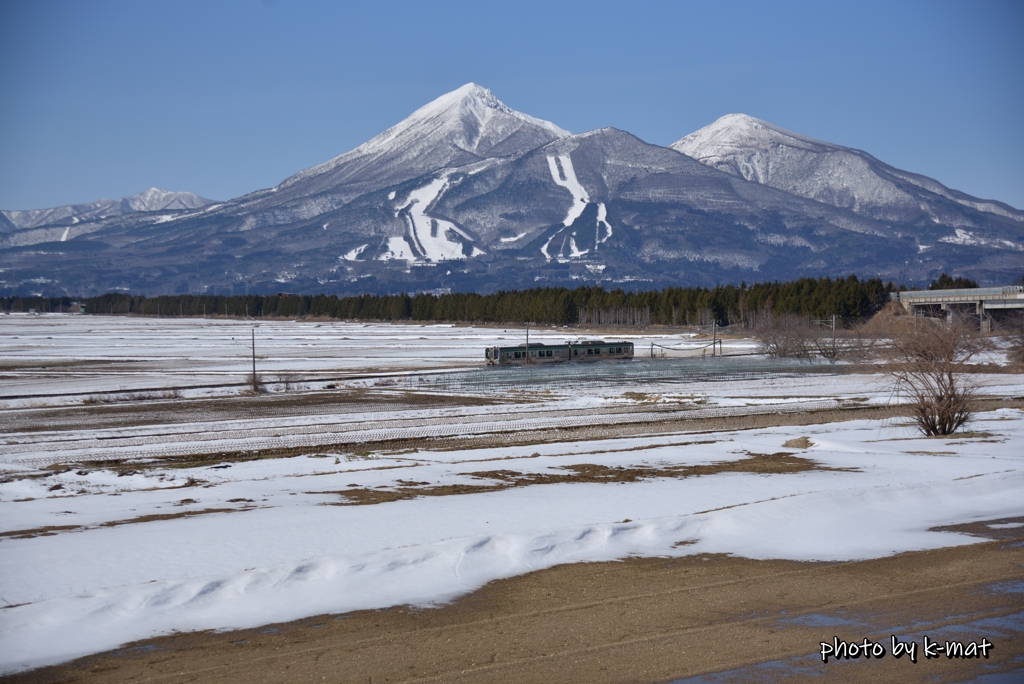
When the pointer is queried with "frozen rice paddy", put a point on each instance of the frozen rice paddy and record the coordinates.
(144, 493)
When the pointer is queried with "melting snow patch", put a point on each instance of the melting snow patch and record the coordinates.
(398, 249)
(353, 255)
(962, 237)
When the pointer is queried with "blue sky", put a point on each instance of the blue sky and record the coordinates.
(106, 98)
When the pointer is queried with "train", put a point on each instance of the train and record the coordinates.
(582, 350)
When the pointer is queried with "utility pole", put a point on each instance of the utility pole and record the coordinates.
(528, 341)
(254, 355)
(714, 336)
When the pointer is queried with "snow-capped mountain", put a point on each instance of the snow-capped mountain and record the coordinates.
(469, 194)
(147, 200)
(841, 176)
(459, 128)
(462, 127)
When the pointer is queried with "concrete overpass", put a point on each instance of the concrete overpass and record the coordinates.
(976, 301)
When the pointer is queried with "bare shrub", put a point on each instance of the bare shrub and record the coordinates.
(861, 343)
(255, 383)
(125, 397)
(927, 361)
(785, 336)
(840, 343)
(829, 342)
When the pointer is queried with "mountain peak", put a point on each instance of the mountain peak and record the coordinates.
(740, 131)
(463, 126)
(844, 177)
(475, 102)
(468, 93)
(155, 199)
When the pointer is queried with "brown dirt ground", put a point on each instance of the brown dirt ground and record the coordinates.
(777, 463)
(51, 530)
(639, 620)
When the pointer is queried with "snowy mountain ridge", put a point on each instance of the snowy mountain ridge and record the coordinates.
(152, 199)
(458, 128)
(467, 194)
(841, 176)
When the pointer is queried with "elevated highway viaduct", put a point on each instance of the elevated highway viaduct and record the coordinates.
(981, 302)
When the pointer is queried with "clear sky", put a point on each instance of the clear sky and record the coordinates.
(105, 98)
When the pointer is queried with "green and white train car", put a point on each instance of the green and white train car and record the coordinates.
(585, 350)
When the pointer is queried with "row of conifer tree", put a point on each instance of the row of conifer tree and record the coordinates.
(848, 298)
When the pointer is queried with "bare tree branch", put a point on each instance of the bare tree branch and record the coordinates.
(927, 361)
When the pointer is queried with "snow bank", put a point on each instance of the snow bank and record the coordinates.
(859, 523)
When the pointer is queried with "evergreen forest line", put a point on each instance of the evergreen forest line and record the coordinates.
(848, 298)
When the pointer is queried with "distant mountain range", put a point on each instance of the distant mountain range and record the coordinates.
(469, 194)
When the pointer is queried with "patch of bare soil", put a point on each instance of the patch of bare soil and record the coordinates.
(639, 620)
(777, 463)
(154, 517)
(47, 531)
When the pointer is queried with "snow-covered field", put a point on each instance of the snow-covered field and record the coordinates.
(93, 557)
(66, 354)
